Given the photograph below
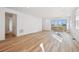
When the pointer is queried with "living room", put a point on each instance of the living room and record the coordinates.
(36, 25)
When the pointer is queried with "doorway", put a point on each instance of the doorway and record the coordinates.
(10, 25)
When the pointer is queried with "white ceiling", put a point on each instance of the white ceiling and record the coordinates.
(46, 12)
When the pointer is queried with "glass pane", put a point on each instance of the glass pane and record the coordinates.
(60, 24)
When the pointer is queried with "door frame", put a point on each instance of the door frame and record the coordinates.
(13, 24)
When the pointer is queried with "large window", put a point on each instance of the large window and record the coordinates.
(59, 24)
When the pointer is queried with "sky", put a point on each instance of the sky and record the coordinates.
(59, 21)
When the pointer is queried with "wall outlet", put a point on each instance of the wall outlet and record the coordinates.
(21, 31)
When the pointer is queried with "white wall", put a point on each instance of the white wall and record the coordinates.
(2, 25)
(26, 24)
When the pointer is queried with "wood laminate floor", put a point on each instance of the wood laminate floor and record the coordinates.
(9, 35)
(31, 43)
